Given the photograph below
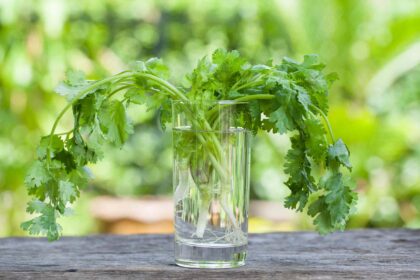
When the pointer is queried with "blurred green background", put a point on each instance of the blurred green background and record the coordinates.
(374, 45)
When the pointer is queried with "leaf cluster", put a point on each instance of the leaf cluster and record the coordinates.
(289, 97)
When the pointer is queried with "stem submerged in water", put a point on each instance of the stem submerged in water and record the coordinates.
(202, 218)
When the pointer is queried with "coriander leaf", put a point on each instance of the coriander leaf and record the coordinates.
(82, 153)
(268, 126)
(316, 140)
(153, 65)
(322, 223)
(138, 66)
(156, 66)
(67, 191)
(300, 182)
(114, 122)
(37, 175)
(339, 153)
(339, 199)
(75, 78)
(303, 98)
(331, 78)
(136, 96)
(53, 144)
(74, 83)
(308, 76)
(45, 223)
(76, 87)
(281, 120)
(36, 206)
(332, 209)
(95, 140)
(229, 66)
(201, 78)
(79, 176)
(310, 59)
(85, 110)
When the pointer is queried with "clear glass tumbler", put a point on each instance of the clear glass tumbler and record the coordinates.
(211, 183)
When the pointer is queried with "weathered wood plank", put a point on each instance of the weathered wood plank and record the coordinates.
(365, 254)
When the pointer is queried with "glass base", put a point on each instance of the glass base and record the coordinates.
(209, 255)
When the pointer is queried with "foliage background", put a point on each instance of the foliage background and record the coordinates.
(374, 45)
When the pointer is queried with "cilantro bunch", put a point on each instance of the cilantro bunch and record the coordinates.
(289, 97)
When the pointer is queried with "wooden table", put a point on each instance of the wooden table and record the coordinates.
(362, 254)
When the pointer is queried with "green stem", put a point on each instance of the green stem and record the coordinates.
(327, 123)
(251, 83)
(255, 97)
(65, 133)
(119, 89)
(169, 87)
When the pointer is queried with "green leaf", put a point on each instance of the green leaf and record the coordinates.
(36, 206)
(281, 120)
(67, 192)
(45, 223)
(74, 83)
(331, 78)
(322, 223)
(300, 182)
(316, 140)
(136, 96)
(310, 59)
(339, 153)
(82, 153)
(52, 143)
(75, 78)
(268, 126)
(332, 209)
(153, 65)
(228, 69)
(37, 175)
(303, 98)
(157, 67)
(138, 66)
(114, 122)
(201, 76)
(79, 177)
(95, 140)
(76, 87)
(339, 199)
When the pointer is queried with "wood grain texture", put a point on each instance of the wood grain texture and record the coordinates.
(364, 254)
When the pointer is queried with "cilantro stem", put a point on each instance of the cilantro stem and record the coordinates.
(251, 83)
(326, 122)
(255, 97)
(168, 86)
(119, 89)
(65, 133)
